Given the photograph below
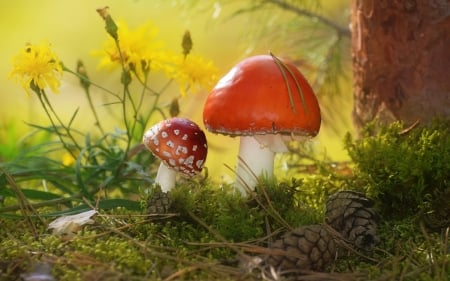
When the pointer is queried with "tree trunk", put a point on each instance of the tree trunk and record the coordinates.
(401, 60)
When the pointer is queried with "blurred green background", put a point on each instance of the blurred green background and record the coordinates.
(75, 30)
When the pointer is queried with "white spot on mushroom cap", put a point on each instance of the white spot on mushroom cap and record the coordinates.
(199, 163)
(181, 150)
(170, 144)
(189, 161)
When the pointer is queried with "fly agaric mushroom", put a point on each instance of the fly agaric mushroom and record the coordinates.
(265, 101)
(180, 145)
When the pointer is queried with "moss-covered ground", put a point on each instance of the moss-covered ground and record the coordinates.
(209, 229)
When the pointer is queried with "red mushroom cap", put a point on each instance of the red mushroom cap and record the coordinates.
(179, 143)
(260, 96)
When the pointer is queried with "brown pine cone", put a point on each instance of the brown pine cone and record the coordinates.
(351, 214)
(158, 203)
(308, 248)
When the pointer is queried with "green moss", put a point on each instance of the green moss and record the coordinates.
(221, 209)
(237, 218)
(405, 171)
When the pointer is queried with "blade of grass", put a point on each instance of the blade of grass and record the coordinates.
(78, 175)
(73, 118)
(105, 204)
(25, 206)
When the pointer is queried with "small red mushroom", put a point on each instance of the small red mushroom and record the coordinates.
(265, 101)
(180, 145)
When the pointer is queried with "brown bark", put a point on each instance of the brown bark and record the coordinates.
(401, 60)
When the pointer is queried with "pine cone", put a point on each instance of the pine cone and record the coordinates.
(158, 203)
(308, 248)
(351, 214)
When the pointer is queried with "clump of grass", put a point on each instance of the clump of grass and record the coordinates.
(406, 172)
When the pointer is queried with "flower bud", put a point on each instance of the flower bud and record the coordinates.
(84, 79)
(174, 108)
(186, 43)
(110, 26)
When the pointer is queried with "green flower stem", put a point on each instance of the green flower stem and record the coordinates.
(123, 99)
(67, 129)
(127, 96)
(144, 84)
(92, 83)
(112, 28)
(46, 105)
(89, 98)
(141, 98)
(154, 107)
(125, 119)
(94, 112)
(156, 100)
(146, 117)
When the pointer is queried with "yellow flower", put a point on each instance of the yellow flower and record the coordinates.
(37, 66)
(193, 73)
(67, 159)
(140, 52)
(139, 48)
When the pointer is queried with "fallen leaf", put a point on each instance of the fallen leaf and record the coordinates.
(68, 225)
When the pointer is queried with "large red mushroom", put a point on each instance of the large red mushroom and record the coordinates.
(265, 101)
(180, 145)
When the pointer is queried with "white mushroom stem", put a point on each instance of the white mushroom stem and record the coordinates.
(165, 177)
(256, 159)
